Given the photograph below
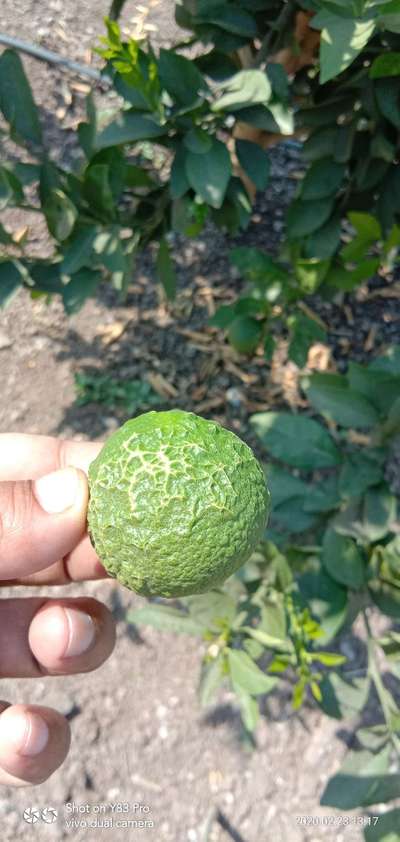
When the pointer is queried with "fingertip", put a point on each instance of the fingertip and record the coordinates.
(34, 741)
(61, 490)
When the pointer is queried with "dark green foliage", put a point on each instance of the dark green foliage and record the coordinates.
(169, 144)
(331, 551)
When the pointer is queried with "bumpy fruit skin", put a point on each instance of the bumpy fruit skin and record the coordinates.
(177, 504)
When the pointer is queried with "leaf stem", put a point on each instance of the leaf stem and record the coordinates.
(373, 671)
(279, 25)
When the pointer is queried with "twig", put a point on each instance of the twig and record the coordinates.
(277, 27)
(116, 9)
(52, 58)
(374, 673)
(230, 830)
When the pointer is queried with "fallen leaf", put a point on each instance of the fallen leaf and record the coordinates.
(110, 333)
(370, 340)
(20, 234)
(211, 403)
(320, 357)
(392, 291)
(160, 385)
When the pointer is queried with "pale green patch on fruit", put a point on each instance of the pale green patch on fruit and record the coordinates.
(177, 504)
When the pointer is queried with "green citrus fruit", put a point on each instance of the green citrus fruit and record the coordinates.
(244, 334)
(177, 503)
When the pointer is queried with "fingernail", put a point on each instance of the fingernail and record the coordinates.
(27, 732)
(81, 630)
(57, 491)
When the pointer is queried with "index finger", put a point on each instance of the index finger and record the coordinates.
(24, 456)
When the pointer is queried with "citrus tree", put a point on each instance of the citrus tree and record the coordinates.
(328, 563)
(245, 76)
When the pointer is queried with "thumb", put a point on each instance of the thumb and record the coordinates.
(41, 520)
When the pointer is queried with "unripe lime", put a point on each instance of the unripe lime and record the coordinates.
(177, 504)
(244, 334)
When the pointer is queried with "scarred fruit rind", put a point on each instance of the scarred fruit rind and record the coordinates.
(177, 504)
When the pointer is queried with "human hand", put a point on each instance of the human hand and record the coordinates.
(43, 541)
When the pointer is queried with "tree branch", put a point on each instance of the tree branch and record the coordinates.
(52, 58)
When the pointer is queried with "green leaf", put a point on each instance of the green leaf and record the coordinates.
(296, 439)
(197, 140)
(5, 238)
(279, 117)
(249, 709)
(343, 560)
(279, 80)
(389, 361)
(256, 266)
(306, 217)
(342, 39)
(10, 189)
(164, 618)
(348, 279)
(180, 77)
(166, 270)
(128, 127)
(366, 225)
(97, 191)
(327, 601)
(79, 250)
(391, 644)
(330, 395)
(380, 387)
(328, 659)
(386, 829)
(283, 486)
(325, 241)
(254, 161)
(357, 474)
(322, 179)
(61, 214)
(291, 517)
(341, 698)
(368, 231)
(212, 608)
(272, 622)
(25, 173)
(322, 496)
(379, 512)
(223, 316)
(46, 277)
(246, 675)
(269, 347)
(362, 780)
(374, 737)
(231, 19)
(388, 98)
(304, 332)
(211, 678)
(16, 100)
(370, 520)
(386, 597)
(81, 286)
(244, 334)
(245, 88)
(10, 281)
(319, 144)
(310, 273)
(209, 173)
